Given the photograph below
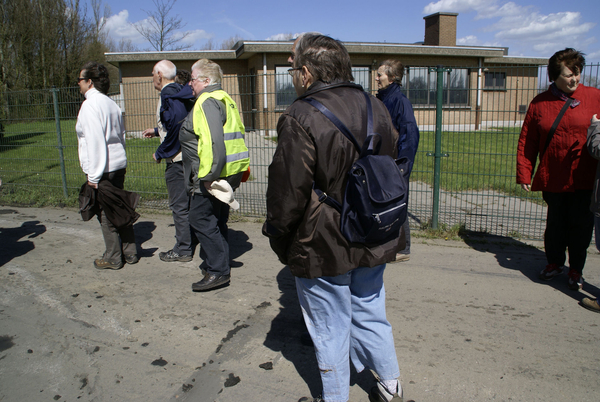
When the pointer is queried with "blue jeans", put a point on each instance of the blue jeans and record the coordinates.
(345, 316)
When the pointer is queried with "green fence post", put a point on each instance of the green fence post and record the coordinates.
(440, 70)
(60, 145)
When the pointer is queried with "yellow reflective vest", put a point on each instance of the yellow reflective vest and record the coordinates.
(237, 156)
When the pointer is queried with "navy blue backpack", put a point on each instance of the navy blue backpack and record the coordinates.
(375, 200)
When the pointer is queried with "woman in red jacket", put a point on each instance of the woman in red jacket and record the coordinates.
(566, 170)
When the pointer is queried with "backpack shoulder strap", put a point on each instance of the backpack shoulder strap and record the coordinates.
(337, 122)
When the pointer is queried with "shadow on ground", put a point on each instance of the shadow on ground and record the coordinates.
(143, 233)
(10, 239)
(516, 255)
(238, 246)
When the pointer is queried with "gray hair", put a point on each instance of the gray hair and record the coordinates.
(326, 58)
(209, 69)
(167, 68)
(394, 69)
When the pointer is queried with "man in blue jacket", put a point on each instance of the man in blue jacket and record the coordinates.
(176, 101)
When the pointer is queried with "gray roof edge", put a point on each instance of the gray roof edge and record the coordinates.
(112, 57)
(540, 61)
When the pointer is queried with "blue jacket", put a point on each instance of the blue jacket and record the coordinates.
(403, 118)
(176, 102)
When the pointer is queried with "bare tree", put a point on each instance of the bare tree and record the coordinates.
(162, 29)
(230, 42)
(209, 45)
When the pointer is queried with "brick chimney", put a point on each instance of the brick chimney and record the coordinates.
(440, 29)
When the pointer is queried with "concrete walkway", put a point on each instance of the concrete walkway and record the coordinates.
(471, 321)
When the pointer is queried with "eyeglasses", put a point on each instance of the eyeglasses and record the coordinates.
(291, 70)
(81, 79)
(197, 78)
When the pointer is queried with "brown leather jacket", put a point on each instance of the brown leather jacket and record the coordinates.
(304, 233)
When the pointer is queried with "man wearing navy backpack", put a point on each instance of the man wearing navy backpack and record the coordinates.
(339, 283)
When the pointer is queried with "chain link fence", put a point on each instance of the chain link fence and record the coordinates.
(464, 172)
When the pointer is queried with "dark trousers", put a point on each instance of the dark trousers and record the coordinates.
(569, 226)
(208, 220)
(117, 241)
(179, 202)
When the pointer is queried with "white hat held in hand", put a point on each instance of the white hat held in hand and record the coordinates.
(223, 192)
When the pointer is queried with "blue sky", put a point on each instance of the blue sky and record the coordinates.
(527, 27)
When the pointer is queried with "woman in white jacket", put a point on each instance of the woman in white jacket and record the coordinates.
(100, 133)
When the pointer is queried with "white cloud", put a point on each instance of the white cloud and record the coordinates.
(470, 40)
(118, 27)
(196, 36)
(521, 27)
(281, 36)
(457, 6)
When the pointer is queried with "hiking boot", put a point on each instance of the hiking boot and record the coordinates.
(309, 399)
(380, 394)
(172, 256)
(101, 263)
(131, 259)
(550, 272)
(590, 304)
(575, 280)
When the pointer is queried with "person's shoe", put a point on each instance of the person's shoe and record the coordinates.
(131, 259)
(401, 257)
(550, 272)
(380, 394)
(575, 280)
(309, 399)
(171, 256)
(211, 281)
(101, 263)
(590, 304)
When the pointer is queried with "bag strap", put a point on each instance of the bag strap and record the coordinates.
(555, 125)
(323, 197)
(341, 126)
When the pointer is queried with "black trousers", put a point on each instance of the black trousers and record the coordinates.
(569, 226)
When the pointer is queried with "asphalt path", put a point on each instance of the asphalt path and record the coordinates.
(471, 321)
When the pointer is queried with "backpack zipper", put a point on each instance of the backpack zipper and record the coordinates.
(376, 216)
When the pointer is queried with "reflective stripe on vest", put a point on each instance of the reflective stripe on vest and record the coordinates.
(237, 158)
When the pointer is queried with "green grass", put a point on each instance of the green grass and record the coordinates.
(31, 171)
(30, 166)
(477, 160)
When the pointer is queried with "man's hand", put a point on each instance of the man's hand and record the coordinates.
(526, 187)
(93, 185)
(154, 156)
(148, 133)
(207, 184)
(595, 119)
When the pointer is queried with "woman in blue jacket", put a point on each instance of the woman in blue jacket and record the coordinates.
(389, 80)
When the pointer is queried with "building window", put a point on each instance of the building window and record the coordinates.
(362, 77)
(494, 80)
(420, 86)
(285, 93)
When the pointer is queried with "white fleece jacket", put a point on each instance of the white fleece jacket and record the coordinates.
(101, 136)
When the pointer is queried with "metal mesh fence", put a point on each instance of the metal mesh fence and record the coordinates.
(481, 115)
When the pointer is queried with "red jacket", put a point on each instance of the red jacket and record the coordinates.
(566, 166)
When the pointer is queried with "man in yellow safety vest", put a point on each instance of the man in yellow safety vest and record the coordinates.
(215, 157)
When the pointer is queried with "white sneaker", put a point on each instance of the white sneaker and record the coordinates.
(380, 394)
